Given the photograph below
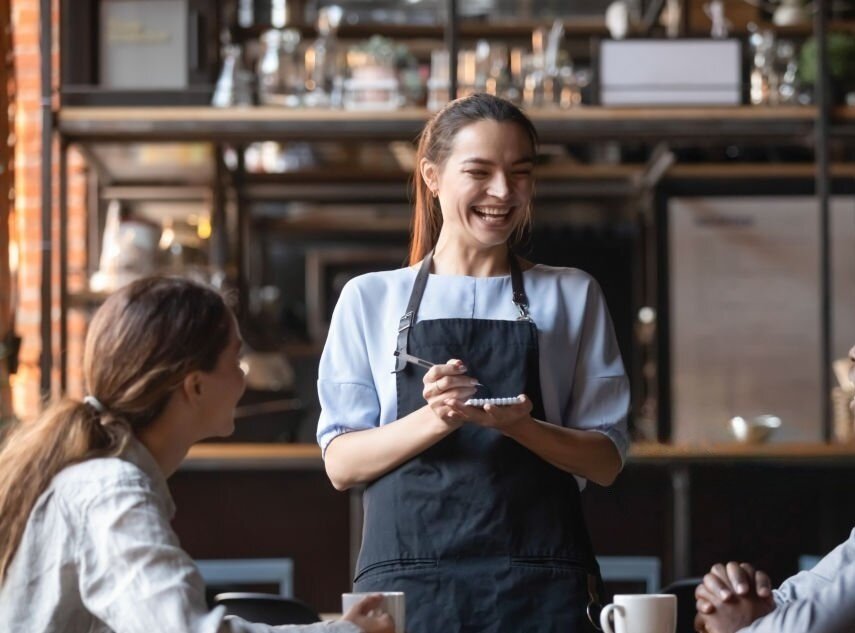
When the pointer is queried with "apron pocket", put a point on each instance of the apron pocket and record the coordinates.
(395, 565)
(546, 594)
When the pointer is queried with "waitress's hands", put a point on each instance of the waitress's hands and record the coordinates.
(446, 387)
(365, 615)
(504, 418)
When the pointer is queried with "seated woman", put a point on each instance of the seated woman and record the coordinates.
(85, 540)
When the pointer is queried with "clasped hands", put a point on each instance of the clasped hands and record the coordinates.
(731, 597)
(447, 387)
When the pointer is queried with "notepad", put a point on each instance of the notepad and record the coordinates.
(500, 402)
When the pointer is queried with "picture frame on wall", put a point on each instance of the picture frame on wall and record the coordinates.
(743, 311)
(327, 272)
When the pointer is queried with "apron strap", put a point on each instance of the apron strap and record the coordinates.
(520, 298)
(409, 318)
(594, 604)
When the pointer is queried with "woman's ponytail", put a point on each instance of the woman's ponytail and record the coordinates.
(32, 453)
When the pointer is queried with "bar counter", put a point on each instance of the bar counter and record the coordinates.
(231, 456)
(689, 506)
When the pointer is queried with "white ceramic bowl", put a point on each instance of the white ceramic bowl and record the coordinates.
(753, 431)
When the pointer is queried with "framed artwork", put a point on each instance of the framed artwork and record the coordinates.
(329, 269)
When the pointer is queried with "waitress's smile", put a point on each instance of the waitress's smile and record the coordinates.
(494, 217)
(484, 188)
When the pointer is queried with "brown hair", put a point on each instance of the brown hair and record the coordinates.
(141, 344)
(435, 145)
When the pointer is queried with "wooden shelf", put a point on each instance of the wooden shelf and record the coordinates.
(577, 27)
(564, 171)
(796, 452)
(224, 456)
(249, 124)
(587, 122)
(765, 171)
(468, 28)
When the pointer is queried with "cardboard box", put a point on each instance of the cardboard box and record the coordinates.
(671, 72)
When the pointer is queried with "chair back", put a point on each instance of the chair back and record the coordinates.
(267, 608)
(686, 611)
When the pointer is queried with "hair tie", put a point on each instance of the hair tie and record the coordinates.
(93, 402)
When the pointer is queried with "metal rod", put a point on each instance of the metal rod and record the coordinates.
(93, 222)
(823, 107)
(682, 490)
(220, 232)
(244, 245)
(46, 52)
(63, 266)
(451, 44)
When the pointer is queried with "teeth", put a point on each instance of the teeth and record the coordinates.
(492, 211)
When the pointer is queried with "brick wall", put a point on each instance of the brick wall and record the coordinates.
(28, 129)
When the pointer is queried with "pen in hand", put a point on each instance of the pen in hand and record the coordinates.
(421, 362)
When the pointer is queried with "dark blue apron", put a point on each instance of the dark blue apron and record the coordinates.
(481, 534)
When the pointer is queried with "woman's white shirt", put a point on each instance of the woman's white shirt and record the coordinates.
(583, 382)
(98, 555)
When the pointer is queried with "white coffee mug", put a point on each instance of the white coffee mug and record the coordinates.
(640, 613)
(393, 603)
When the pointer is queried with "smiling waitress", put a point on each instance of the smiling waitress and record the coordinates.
(475, 512)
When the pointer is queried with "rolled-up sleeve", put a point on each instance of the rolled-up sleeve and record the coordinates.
(819, 600)
(346, 390)
(599, 399)
(828, 609)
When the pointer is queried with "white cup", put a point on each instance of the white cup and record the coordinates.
(651, 613)
(393, 603)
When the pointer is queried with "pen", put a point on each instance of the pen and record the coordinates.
(415, 360)
(421, 362)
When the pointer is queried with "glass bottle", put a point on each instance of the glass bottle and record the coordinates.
(234, 85)
(279, 68)
(323, 69)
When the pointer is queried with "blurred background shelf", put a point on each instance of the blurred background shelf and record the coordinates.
(201, 123)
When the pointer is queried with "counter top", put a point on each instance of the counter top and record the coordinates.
(227, 456)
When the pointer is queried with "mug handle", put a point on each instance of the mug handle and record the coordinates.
(605, 620)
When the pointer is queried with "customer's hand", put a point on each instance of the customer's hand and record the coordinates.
(731, 597)
(734, 580)
(447, 385)
(729, 617)
(367, 617)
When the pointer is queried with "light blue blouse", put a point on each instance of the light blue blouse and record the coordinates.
(583, 382)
